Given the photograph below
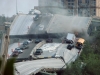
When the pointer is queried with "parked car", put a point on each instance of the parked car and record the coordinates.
(37, 40)
(19, 50)
(49, 40)
(38, 52)
(15, 53)
(24, 47)
(70, 46)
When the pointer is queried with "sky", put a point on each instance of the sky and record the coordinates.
(8, 7)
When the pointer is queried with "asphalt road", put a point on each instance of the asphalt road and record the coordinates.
(26, 52)
(21, 24)
(28, 67)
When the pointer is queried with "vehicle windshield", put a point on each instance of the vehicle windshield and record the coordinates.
(24, 45)
(37, 51)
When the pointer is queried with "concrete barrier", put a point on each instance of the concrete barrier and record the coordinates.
(42, 57)
(36, 47)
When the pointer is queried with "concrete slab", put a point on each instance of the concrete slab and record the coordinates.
(31, 66)
(50, 46)
(21, 24)
(51, 63)
(65, 24)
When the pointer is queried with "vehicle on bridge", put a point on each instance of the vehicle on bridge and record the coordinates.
(70, 46)
(49, 40)
(15, 54)
(24, 47)
(26, 42)
(34, 12)
(36, 17)
(19, 50)
(79, 43)
(70, 38)
(37, 40)
(38, 52)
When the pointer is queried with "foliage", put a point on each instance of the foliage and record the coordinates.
(9, 67)
(73, 69)
(92, 64)
(0, 63)
(90, 56)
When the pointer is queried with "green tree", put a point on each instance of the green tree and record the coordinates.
(9, 67)
(92, 64)
(73, 69)
(90, 60)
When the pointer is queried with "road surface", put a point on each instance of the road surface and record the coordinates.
(39, 26)
(28, 67)
(21, 24)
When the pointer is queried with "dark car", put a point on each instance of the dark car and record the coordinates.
(70, 46)
(69, 41)
(36, 17)
(30, 40)
(24, 47)
(38, 52)
(49, 40)
(37, 40)
(25, 43)
(15, 54)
